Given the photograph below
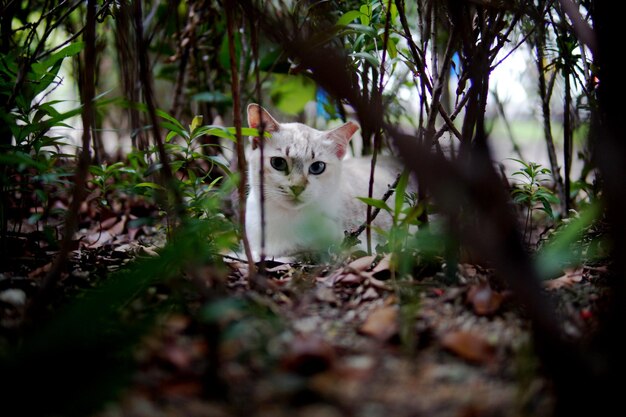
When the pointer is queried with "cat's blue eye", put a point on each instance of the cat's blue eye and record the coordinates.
(317, 167)
(278, 163)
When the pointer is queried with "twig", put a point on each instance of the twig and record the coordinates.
(241, 157)
(390, 190)
(145, 77)
(257, 79)
(71, 220)
(377, 134)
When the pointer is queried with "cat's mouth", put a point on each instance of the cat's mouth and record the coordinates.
(295, 200)
(291, 200)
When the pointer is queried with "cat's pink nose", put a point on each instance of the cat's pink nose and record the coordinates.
(296, 189)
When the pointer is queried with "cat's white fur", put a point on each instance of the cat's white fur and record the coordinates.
(327, 206)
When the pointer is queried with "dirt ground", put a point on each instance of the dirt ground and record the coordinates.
(347, 339)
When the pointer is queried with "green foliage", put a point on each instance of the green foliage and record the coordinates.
(572, 243)
(404, 214)
(90, 341)
(415, 248)
(531, 193)
(290, 93)
(32, 159)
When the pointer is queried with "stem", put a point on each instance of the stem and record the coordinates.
(567, 140)
(145, 77)
(257, 79)
(241, 157)
(377, 134)
(545, 92)
(71, 221)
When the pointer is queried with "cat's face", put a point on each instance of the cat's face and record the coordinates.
(301, 165)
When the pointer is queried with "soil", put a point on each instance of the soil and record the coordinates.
(346, 339)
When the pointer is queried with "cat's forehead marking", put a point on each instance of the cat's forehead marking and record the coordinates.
(298, 165)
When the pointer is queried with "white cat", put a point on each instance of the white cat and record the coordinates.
(309, 190)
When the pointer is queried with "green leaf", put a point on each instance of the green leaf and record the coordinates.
(249, 131)
(171, 135)
(349, 17)
(150, 185)
(290, 93)
(366, 14)
(557, 252)
(172, 120)
(391, 48)
(70, 50)
(218, 160)
(175, 128)
(371, 59)
(356, 28)
(400, 191)
(20, 159)
(195, 123)
(375, 203)
(96, 170)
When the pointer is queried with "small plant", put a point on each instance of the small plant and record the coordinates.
(531, 193)
(404, 214)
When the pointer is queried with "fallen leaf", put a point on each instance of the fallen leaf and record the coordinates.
(468, 345)
(326, 294)
(381, 324)
(350, 279)
(370, 294)
(117, 228)
(467, 270)
(360, 264)
(484, 300)
(383, 266)
(308, 355)
(40, 271)
(107, 223)
(376, 283)
(570, 277)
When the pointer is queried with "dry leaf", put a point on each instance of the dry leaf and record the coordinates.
(326, 294)
(107, 223)
(376, 283)
(309, 354)
(484, 300)
(468, 346)
(570, 277)
(350, 279)
(361, 264)
(279, 268)
(384, 265)
(40, 271)
(467, 270)
(381, 324)
(370, 294)
(117, 228)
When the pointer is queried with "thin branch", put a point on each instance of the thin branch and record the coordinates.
(377, 134)
(145, 77)
(583, 31)
(241, 157)
(78, 194)
(390, 190)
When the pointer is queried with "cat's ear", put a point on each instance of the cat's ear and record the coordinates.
(259, 117)
(341, 136)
